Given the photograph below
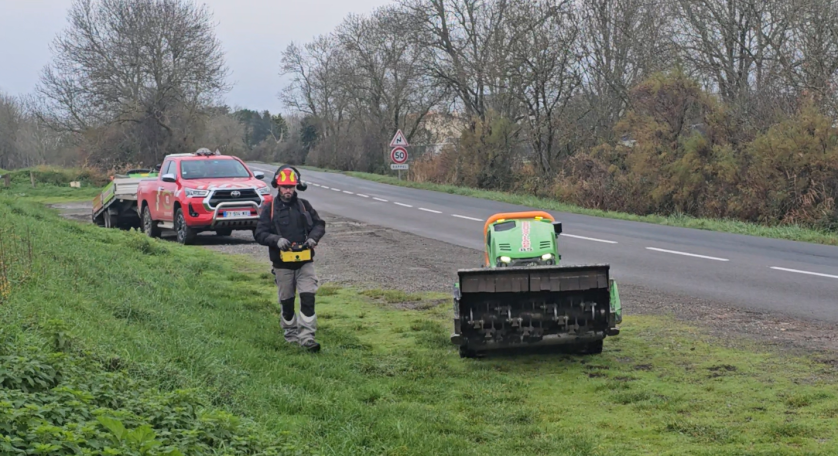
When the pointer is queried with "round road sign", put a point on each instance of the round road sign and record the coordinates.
(398, 155)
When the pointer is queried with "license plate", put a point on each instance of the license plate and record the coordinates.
(229, 214)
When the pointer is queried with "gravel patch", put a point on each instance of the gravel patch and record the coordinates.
(79, 211)
(366, 256)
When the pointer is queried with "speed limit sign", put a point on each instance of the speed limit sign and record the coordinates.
(398, 155)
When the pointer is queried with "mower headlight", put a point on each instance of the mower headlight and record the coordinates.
(264, 190)
(547, 257)
(191, 192)
(505, 259)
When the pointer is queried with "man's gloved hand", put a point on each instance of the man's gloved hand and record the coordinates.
(310, 243)
(283, 243)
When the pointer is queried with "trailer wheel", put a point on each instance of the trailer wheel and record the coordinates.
(185, 234)
(150, 228)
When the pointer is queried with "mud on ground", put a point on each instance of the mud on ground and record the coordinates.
(367, 256)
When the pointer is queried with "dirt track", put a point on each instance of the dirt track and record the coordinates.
(366, 256)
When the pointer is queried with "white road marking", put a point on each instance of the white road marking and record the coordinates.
(805, 272)
(325, 187)
(362, 195)
(467, 218)
(336, 189)
(588, 238)
(316, 185)
(379, 199)
(429, 210)
(402, 204)
(687, 254)
(348, 192)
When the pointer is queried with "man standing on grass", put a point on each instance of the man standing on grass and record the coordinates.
(292, 222)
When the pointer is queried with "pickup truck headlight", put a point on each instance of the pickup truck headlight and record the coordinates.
(264, 190)
(191, 192)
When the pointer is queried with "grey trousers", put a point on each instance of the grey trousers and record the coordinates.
(301, 327)
(289, 281)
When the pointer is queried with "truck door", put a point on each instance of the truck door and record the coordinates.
(166, 193)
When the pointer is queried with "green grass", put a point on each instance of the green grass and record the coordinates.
(388, 381)
(788, 232)
(52, 184)
(49, 194)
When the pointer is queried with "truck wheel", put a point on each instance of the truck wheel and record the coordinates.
(185, 235)
(150, 228)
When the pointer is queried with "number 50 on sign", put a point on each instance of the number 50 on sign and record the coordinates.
(398, 155)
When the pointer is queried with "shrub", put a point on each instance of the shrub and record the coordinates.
(69, 403)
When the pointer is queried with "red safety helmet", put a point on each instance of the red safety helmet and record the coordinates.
(286, 178)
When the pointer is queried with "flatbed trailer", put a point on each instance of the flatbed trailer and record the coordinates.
(116, 205)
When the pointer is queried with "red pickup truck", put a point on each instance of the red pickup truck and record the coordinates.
(202, 191)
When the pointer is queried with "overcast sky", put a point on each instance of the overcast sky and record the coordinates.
(253, 34)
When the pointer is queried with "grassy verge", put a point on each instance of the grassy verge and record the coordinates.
(388, 381)
(790, 232)
(49, 194)
(52, 184)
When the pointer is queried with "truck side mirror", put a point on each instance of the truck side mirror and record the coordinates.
(169, 178)
(259, 175)
(557, 227)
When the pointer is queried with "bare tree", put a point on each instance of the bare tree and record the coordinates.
(316, 88)
(223, 132)
(138, 62)
(734, 44)
(622, 42)
(384, 74)
(10, 119)
(811, 55)
(470, 45)
(544, 71)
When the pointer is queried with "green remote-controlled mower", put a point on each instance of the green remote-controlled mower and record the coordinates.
(523, 298)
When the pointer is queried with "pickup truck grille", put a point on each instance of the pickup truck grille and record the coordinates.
(224, 196)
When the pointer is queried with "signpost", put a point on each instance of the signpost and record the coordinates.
(398, 155)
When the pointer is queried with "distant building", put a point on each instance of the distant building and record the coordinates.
(444, 129)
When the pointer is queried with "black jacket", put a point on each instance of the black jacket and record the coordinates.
(289, 221)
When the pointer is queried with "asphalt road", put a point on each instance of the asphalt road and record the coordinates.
(794, 278)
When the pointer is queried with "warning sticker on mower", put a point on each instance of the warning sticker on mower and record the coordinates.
(526, 246)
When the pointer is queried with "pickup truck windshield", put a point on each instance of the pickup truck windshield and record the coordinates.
(209, 169)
